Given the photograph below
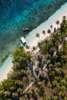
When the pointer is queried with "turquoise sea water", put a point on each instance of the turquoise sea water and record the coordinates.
(15, 15)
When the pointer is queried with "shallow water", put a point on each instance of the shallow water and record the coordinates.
(18, 14)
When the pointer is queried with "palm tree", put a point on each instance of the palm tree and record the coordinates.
(64, 17)
(12, 89)
(7, 94)
(56, 98)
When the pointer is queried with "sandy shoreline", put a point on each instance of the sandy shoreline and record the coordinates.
(33, 41)
(58, 15)
(6, 68)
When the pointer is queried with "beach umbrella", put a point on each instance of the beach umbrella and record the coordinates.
(51, 26)
(37, 35)
(43, 31)
(34, 48)
(49, 31)
(57, 22)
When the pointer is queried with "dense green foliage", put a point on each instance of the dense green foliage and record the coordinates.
(54, 85)
(57, 67)
(18, 79)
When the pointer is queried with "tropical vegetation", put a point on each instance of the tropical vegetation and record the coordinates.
(51, 71)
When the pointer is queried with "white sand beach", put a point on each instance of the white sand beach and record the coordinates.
(33, 41)
(6, 68)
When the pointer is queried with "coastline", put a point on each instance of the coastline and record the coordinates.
(14, 26)
(58, 15)
(33, 40)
